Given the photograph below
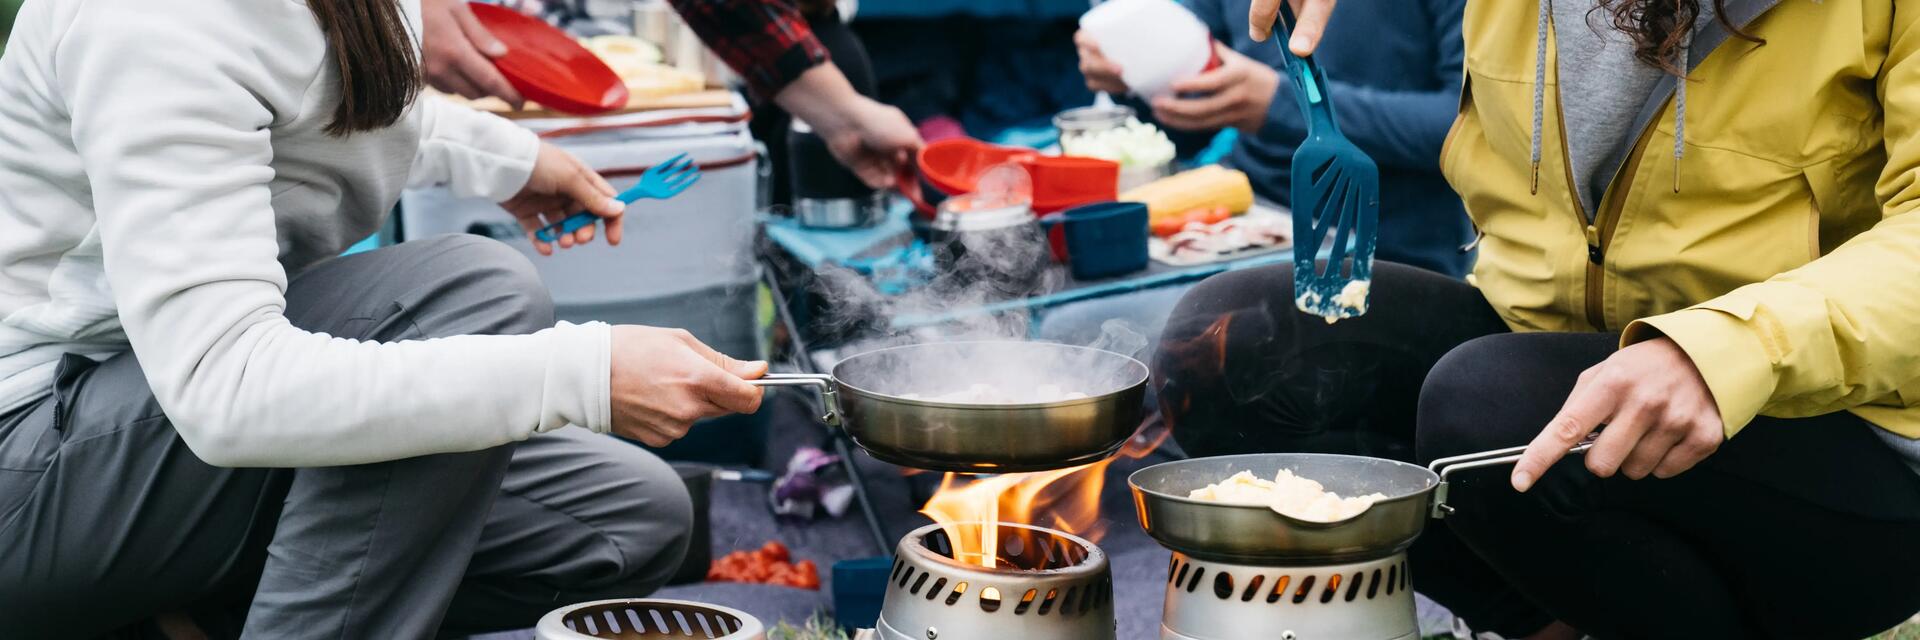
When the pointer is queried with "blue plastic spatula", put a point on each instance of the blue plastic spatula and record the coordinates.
(1336, 188)
(662, 181)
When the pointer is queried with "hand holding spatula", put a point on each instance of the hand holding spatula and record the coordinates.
(1336, 188)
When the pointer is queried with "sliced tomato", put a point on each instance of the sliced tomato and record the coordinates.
(1168, 225)
(1216, 215)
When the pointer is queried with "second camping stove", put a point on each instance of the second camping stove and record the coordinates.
(1367, 600)
(1245, 571)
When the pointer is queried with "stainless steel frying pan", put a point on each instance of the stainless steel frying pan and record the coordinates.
(1249, 534)
(871, 395)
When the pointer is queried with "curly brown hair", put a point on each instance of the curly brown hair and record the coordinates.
(1660, 27)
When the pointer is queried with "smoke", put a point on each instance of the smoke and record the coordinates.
(1118, 336)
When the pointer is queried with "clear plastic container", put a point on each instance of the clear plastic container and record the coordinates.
(1074, 123)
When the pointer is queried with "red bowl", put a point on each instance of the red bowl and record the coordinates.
(547, 66)
(954, 166)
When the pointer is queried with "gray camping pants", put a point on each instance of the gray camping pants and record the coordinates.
(106, 518)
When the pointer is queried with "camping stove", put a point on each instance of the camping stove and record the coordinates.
(1042, 584)
(1366, 600)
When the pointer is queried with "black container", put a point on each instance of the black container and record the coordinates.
(826, 194)
(699, 480)
(859, 590)
(816, 173)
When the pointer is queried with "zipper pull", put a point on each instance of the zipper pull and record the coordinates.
(1478, 235)
(1593, 244)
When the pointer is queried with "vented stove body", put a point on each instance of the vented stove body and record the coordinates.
(1365, 600)
(1041, 584)
(1246, 571)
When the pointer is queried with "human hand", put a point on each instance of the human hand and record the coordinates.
(1235, 94)
(1102, 74)
(1660, 416)
(1311, 21)
(560, 186)
(457, 52)
(872, 139)
(663, 380)
(874, 142)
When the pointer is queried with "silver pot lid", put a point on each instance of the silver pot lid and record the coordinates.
(983, 219)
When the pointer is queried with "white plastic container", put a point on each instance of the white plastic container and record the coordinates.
(698, 240)
(1155, 42)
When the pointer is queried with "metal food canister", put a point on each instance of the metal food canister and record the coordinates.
(1004, 245)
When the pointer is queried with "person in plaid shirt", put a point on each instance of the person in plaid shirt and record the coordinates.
(768, 42)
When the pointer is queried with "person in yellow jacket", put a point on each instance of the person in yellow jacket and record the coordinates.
(1697, 242)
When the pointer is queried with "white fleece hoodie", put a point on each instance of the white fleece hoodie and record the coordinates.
(163, 168)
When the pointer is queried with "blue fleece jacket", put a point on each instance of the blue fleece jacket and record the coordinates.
(1394, 67)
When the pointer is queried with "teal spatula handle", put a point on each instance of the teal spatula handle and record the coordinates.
(1309, 81)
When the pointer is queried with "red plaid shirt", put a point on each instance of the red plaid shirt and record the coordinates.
(768, 42)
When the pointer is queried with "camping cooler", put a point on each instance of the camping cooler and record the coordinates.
(686, 262)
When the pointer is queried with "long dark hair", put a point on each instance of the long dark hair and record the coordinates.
(1660, 27)
(374, 54)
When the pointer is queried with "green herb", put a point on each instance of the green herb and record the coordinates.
(817, 627)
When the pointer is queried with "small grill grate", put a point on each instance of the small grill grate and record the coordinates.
(647, 620)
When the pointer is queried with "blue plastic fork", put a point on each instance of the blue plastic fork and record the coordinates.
(662, 181)
(1336, 188)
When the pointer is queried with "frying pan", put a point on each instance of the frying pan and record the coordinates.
(871, 396)
(1258, 535)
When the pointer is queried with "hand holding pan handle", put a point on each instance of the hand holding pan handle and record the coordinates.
(829, 391)
(1446, 466)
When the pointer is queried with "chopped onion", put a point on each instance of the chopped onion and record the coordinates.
(1132, 144)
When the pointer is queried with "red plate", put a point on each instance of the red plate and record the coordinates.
(548, 67)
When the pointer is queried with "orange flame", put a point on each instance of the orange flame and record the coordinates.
(1067, 499)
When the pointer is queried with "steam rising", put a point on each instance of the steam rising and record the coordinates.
(956, 305)
(1021, 372)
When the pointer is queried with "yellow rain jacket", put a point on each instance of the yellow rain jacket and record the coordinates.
(1781, 250)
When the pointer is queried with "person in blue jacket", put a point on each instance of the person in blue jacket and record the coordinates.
(1394, 71)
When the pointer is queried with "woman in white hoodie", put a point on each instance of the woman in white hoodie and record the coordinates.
(203, 410)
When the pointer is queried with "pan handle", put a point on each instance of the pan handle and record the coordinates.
(1446, 466)
(829, 390)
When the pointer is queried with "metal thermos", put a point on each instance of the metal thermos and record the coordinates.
(826, 194)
